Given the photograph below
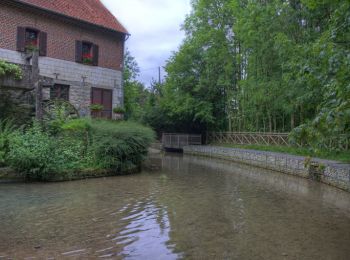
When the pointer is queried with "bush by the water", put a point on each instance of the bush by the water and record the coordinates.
(81, 144)
(7, 131)
(120, 147)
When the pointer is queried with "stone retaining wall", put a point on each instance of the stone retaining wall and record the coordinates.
(329, 172)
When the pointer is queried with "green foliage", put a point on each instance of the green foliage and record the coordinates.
(57, 113)
(40, 156)
(78, 125)
(7, 131)
(119, 110)
(120, 145)
(96, 107)
(260, 66)
(79, 145)
(9, 69)
(135, 94)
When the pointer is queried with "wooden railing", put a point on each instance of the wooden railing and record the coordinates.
(280, 139)
(248, 138)
(178, 141)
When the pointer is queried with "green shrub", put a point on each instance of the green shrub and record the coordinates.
(79, 144)
(78, 125)
(7, 69)
(39, 156)
(7, 131)
(96, 107)
(58, 113)
(120, 145)
(119, 110)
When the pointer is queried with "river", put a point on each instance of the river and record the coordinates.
(187, 208)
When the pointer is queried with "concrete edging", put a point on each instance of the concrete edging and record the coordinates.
(329, 172)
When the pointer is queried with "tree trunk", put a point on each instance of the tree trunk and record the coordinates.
(292, 121)
(229, 123)
(270, 123)
(301, 114)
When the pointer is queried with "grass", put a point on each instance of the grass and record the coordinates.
(342, 156)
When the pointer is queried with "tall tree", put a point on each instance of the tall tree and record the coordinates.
(272, 65)
(135, 93)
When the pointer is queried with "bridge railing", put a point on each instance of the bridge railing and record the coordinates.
(178, 141)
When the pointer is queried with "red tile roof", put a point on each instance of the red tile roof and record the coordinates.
(92, 11)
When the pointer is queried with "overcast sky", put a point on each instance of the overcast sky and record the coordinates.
(154, 26)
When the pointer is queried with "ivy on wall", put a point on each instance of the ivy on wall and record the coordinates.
(9, 69)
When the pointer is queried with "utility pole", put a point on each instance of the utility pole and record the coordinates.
(159, 79)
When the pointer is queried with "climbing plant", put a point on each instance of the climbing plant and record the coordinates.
(10, 107)
(9, 69)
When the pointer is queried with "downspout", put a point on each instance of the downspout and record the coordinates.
(127, 36)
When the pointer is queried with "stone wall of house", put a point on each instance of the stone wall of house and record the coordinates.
(329, 172)
(61, 36)
(17, 104)
(81, 78)
(24, 83)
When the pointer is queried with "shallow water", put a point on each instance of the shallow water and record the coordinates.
(192, 208)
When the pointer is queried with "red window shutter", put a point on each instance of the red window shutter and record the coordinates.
(79, 51)
(103, 97)
(95, 53)
(107, 96)
(96, 96)
(42, 43)
(21, 39)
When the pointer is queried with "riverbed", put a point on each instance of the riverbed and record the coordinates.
(184, 207)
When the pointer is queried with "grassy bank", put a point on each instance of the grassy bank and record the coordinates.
(74, 149)
(343, 156)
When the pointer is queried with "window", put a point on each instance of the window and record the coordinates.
(59, 92)
(86, 53)
(29, 39)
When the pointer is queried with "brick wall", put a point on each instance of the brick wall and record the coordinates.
(61, 36)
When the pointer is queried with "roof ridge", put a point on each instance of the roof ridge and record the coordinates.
(91, 11)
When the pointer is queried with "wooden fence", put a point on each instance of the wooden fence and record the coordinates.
(178, 141)
(248, 138)
(280, 139)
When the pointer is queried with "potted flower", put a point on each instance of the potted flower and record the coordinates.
(96, 110)
(32, 45)
(87, 58)
(119, 112)
(96, 107)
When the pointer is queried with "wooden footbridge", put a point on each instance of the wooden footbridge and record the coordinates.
(178, 141)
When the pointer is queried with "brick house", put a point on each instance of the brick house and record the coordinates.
(80, 46)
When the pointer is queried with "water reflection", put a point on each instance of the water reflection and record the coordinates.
(192, 208)
(147, 228)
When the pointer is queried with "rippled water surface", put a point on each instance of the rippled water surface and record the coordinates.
(191, 208)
